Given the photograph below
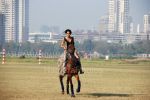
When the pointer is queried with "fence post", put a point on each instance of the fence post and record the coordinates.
(3, 56)
(40, 56)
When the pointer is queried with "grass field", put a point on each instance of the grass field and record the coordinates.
(24, 79)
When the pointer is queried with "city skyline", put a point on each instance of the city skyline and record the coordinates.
(78, 14)
(15, 18)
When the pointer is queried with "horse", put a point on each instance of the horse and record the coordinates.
(70, 70)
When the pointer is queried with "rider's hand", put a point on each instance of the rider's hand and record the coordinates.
(65, 48)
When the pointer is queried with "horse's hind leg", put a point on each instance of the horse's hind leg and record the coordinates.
(79, 83)
(67, 85)
(61, 82)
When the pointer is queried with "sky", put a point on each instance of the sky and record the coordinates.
(77, 14)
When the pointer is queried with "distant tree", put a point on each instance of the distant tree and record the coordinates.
(88, 46)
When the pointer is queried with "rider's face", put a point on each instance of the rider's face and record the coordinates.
(68, 34)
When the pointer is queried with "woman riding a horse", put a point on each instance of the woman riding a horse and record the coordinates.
(70, 63)
(68, 42)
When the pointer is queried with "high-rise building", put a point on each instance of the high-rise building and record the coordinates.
(147, 23)
(9, 13)
(26, 20)
(124, 22)
(16, 14)
(112, 18)
(119, 16)
(138, 28)
(131, 25)
(131, 28)
(2, 36)
(1, 28)
(22, 20)
(103, 25)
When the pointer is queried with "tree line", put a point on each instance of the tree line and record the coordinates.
(87, 46)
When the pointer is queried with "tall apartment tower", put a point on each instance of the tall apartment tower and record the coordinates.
(22, 20)
(112, 18)
(146, 23)
(26, 20)
(16, 18)
(9, 13)
(124, 24)
(103, 25)
(138, 28)
(2, 36)
(119, 16)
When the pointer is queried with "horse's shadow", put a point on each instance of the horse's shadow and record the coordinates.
(106, 94)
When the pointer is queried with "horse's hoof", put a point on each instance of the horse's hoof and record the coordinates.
(77, 90)
(72, 95)
(62, 92)
(67, 92)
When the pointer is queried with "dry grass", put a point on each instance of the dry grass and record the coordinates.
(103, 80)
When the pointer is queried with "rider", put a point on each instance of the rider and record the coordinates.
(69, 40)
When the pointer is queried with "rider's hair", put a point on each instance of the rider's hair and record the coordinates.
(68, 30)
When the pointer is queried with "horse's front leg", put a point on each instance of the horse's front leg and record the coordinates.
(72, 89)
(61, 82)
(67, 85)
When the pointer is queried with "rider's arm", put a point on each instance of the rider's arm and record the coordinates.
(63, 44)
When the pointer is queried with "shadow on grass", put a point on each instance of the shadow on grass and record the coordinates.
(106, 95)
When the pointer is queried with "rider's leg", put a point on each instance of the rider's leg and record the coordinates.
(78, 62)
(80, 66)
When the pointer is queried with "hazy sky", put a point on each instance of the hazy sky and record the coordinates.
(77, 14)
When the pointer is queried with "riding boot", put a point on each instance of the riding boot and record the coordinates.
(72, 91)
(81, 72)
(80, 68)
(79, 86)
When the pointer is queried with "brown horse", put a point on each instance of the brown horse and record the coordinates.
(71, 70)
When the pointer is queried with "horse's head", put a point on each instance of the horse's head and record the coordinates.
(71, 65)
(70, 59)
